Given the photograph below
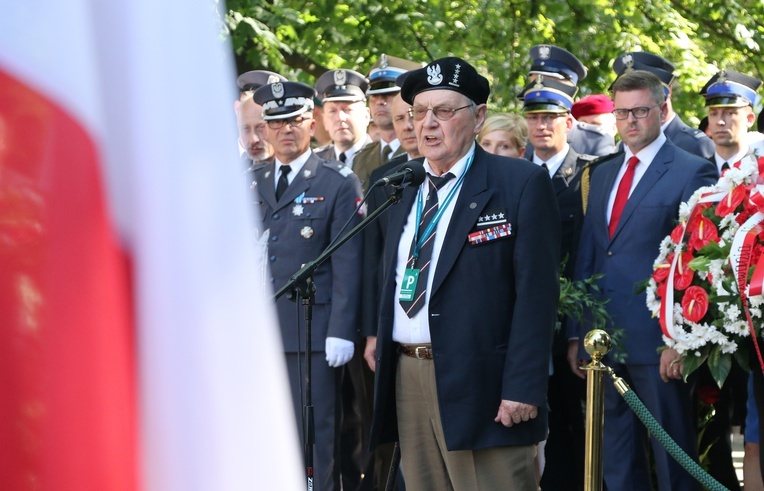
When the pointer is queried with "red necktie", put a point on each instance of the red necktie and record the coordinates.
(622, 195)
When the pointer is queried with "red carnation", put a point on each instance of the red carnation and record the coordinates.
(683, 275)
(694, 303)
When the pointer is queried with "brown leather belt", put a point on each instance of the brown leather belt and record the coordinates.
(420, 352)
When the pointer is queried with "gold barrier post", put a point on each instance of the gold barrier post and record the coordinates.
(597, 344)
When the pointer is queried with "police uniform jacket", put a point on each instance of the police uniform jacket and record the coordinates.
(315, 206)
(492, 307)
(689, 139)
(567, 182)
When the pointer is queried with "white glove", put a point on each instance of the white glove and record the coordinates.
(338, 351)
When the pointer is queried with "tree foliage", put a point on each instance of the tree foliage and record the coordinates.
(303, 38)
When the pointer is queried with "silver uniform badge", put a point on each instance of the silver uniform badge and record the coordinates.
(383, 61)
(267, 174)
(544, 52)
(306, 232)
(306, 173)
(297, 210)
(272, 79)
(340, 77)
(278, 90)
(628, 61)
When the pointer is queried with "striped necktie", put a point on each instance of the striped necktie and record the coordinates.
(425, 253)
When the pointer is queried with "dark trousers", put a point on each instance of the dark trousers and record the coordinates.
(564, 449)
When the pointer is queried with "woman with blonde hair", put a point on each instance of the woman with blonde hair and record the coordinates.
(504, 134)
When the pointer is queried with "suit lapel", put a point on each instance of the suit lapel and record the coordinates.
(565, 173)
(604, 196)
(472, 200)
(265, 185)
(654, 172)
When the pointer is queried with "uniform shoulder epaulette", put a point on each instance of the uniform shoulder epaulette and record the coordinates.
(257, 166)
(586, 157)
(338, 167)
(374, 146)
(603, 158)
(697, 133)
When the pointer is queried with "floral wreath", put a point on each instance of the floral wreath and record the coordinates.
(707, 281)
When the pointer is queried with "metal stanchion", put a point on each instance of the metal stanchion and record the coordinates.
(597, 344)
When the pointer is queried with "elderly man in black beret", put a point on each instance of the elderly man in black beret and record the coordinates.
(469, 299)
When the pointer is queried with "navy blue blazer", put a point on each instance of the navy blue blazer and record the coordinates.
(492, 307)
(299, 232)
(627, 259)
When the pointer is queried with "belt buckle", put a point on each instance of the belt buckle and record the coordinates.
(421, 353)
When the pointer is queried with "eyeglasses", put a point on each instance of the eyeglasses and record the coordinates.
(547, 119)
(409, 115)
(638, 112)
(277, 124)
(441, 113)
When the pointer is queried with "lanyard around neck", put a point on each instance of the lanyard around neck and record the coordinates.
(441, 209)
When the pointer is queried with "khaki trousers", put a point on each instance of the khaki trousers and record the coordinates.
(427, 464)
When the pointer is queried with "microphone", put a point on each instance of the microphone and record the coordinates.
(412, 172)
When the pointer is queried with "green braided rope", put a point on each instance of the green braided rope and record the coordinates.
(670, 445)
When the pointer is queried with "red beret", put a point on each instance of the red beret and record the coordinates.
(592, 104)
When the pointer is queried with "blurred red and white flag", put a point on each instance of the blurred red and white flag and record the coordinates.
(138, 349)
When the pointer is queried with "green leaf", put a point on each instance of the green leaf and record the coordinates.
(690, 363)
(719, 364)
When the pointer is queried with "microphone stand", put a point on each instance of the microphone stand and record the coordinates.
(301, 285)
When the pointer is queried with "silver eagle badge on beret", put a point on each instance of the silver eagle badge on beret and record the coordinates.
(433, 75)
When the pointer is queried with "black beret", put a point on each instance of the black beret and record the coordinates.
(255, 79)
(548, 59)
(342, 85)
(446, 73)
(729, 88)
(284, 100)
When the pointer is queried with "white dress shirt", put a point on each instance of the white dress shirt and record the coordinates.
(417, 328)
(645, 156)
(555, 162)
(296, 165)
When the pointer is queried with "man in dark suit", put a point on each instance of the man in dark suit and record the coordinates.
(546, 106)
(633, 204)
(305, 201)
(689, 139)
(469, 299)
